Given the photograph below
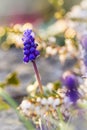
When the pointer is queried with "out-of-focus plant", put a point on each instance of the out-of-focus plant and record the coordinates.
(57, 5)
(11, 80)
(11, 35)
(59, 39)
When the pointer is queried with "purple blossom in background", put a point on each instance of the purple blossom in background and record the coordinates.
(71, 83)
(73, 95)
(30, 52)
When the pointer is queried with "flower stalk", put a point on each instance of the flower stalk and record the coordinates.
(37, 76)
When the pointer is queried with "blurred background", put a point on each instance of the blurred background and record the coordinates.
(20, 11)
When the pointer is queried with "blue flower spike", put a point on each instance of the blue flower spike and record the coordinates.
(30, 46)
(31, 53)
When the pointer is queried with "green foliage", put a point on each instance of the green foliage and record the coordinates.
(11, 79)
(3, 105)
(3, 38)
(56, 3)
(60, 40)
(57, 85)
(2, 84)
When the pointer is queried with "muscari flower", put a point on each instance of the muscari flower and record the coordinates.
(31, 52)
(30, 46)
(71, 83)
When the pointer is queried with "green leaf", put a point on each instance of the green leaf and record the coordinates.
(57, 85)
(60, 40)
(2, 84)
(3, 38)
(12, 79)
(3, 105)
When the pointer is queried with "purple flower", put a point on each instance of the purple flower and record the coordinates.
(73, 95)
(71, 83)
(30, 46)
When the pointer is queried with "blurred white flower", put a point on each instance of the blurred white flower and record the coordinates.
(56, 103)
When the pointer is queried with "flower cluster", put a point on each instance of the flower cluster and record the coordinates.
(71, 83)
(40, 107)
(30, 52)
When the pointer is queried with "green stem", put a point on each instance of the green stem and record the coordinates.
(38, 77)
(14, 105)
